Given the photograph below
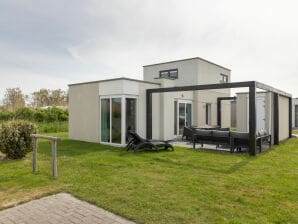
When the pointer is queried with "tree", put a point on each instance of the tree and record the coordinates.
(47, 97)
(41, 98)
(13, 99)
(58, 97)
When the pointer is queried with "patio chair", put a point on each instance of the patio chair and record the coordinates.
(136, 142)
(202, 136)
(188, 133)
(263, 137)
(239, 140)
(221, 138)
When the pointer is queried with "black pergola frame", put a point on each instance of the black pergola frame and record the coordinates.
(252, 85)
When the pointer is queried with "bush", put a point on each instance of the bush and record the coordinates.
(15, 140)
(51, 114)
(39, 115)
(24, 113)
(6, 115)
(52, 127)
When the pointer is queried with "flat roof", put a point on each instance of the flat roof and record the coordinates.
(187, 59)
(114, 79)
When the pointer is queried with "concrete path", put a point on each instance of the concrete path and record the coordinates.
(61, 209)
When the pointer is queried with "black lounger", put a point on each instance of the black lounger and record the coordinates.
(136, 142)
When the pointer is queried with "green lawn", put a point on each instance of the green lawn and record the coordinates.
(184, 186)
(295, 132)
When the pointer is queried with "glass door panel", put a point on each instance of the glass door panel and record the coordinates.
(208, 114)
(105, 120)
(131, 115)
(181, 117)
(116, 120)
(188, 115)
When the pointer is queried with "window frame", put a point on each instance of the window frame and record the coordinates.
(123, 117)
(223, 77)
(208, 114)
(169, 72)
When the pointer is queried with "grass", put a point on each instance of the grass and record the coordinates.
(295, 132)
(184, 186)
(56, 126)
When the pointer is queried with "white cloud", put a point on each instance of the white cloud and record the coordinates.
(75, 41)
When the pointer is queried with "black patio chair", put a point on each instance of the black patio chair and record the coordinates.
(202, 137)
(263, 138)
(136, 142)
(239, 140)
(188, 133)
(221, 138)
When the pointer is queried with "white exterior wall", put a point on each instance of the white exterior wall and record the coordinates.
(187, 72)
(167, 108)
(190, 72)
(242, 112)
(242, 105)
(85, 104)
(136, 89)
(83, 109)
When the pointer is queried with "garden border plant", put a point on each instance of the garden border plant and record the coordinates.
(15, 139)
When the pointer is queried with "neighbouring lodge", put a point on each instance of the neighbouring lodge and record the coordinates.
(173, 95)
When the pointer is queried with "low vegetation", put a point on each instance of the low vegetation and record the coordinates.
(184, 186)
(51, 119)
(15, 140)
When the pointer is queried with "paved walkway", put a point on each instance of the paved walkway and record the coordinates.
(61, 209)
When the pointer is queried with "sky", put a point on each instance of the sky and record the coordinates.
(52, 43)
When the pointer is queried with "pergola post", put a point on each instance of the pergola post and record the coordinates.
(149, 114)
(276, 118)
(290, 117)
(252, 119)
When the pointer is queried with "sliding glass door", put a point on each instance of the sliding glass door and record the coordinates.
(183, 115)
(116, 120)
(105, 120)
(118, 115)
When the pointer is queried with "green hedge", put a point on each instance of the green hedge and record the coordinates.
(52, 114)
(15, 140)
(52, 127)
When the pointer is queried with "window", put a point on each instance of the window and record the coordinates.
(182, 115)
(131, 115)
(224, 78)
(105, 120)
(169, 74)
(118, 115)
(208, 113)
(116, 120)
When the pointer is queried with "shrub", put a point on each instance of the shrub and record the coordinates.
(57, 126)
(6, 115)
(39, 115)
(51, 114)
(15, 140)
(24, 113)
